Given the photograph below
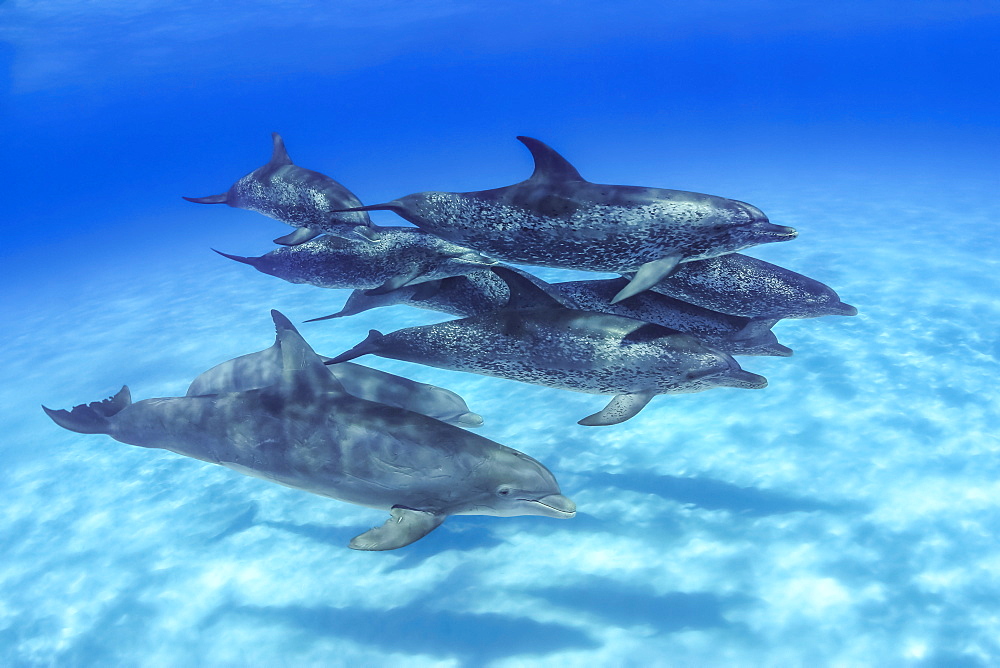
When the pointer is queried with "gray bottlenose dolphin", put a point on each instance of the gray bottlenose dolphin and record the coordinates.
(391, 258)
(558, 219)
(538, 340)
(302, 198)
(306, 432)
(262, 369)
(484, 292)
(741, 285)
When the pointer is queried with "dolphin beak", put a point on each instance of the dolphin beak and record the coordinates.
(779, 350)
(478, 259)
(780, 231)
(841, 308)
(556, 505)
(742, 379)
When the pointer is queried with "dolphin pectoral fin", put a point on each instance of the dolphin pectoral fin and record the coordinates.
(619, 409)
(412, 272)
(470, 420)
(211, 199)
(366, 232)
(405, 526)
(755, 328)
(649, 275)
(299, 236)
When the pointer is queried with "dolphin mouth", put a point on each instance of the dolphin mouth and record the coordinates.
(742, 379)
(556, 505)
(779, 231)
(840, 308)
(778, 350)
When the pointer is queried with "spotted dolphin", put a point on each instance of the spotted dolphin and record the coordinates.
(483, 292)
(730, 334)
(306, 432)
(306, 200)
(556, 218)
(538, 340)
(744, 286)
(262, 369)
(391, 258)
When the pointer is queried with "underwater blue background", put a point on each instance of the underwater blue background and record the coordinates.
(845, 515)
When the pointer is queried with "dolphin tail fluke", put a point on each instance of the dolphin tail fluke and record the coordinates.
(339, 314)
(91, 418)
(239, 258)
(279, 156)
(395, 206)
(649, 275)
(211, 199)
(404, 527)
(622, 407)
(369, 345)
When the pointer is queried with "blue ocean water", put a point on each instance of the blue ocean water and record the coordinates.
(845, 515)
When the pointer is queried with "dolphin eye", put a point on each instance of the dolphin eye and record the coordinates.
(504, 491)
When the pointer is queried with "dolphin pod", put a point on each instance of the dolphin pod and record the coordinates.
(305, 431)
(302, 198)
(536, 339)
(389, 258)
(556, 218)
(688, 302)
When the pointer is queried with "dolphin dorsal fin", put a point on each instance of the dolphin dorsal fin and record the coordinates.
(549, 165)
(298, 360)
(524, 291)
(279, 156)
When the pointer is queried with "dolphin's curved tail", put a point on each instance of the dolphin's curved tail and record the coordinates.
(369, 345)
(395, 206)
(252, 261)
(91, 418)
(211, 199)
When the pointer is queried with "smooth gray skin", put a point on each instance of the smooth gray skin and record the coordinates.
(564, 348)
(391, 258)
(485, 292)
(302, 198)
(744, 286)
(558, 219)
(261, 369)
(306, 432)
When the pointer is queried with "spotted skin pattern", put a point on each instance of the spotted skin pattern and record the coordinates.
(356, 263)
(744, 286)
(484, 292)
(295, 196)
(558, 219)
(567, 349)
